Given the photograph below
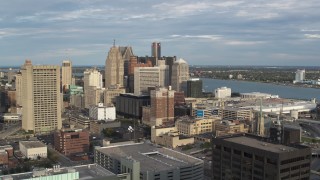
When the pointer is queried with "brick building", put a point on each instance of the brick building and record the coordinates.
(70, 142)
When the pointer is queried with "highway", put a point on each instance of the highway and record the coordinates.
(10, 130)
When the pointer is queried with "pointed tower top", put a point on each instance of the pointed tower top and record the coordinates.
(114, 43)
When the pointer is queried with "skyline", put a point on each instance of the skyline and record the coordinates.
(203, 33)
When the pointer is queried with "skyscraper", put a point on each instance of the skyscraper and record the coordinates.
(92, 85)
(156, 50)
(194, 88)
(66, 79)
(180, 75)
(41, 98)
(114, 68)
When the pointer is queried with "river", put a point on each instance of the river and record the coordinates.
(292, 92)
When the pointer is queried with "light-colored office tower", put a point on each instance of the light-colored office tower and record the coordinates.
(114, 68)
(66, 79)
(162, 106)
(18, 78)
(180, 75)
(92, 81)
(222, 92)
(300, 75)
(11, 73)
(41, 98)
(146, 77)
(92, 77)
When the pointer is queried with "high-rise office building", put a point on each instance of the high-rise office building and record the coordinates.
(194, 88)
(41, 98)
(156, 50)
(244, 156)
(114, 68)
(147, 77)
(92, 85)
(66, 78)
(162, 106)
(180, 75)
(126, 53)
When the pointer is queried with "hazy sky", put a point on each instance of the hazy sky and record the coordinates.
(214, 32)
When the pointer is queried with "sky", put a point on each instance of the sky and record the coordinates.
(203, 32)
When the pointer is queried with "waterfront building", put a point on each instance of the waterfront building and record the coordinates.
(100, 112)
(300, 76)
(41, 98)
(148, 161)
(222, 92)
(66, 78)
(244, 156)
(257, 95)
(33, 149)
(114, 68)
(180, 75)
(71, 141)
(194, 88)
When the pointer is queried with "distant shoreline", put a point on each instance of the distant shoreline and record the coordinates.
(275, 83)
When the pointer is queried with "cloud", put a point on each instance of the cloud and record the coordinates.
(312, 36)
(246, 43)
(209, 37)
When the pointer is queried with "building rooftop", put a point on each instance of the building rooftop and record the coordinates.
(152, 157)
(32, 144)
(89, 171)
(254, 142)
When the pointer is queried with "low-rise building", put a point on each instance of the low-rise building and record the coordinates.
(79, 121)
(190, 126)
(97, 126)
(257, 95)
(33, 149)
(169, 137)
(230, 113)
(90, 171)
(111, 93)
(11, 118)
(101, 112)
(229, 127)
(149, 161)
(71, 141)
(222, 92)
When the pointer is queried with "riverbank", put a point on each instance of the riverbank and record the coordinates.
(275, 83)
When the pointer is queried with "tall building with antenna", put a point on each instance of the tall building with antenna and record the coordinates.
(114, 68)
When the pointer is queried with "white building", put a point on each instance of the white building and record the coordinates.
(257, 95)
(222, 92)
(180, 75)
(101, 112)
(300, 76)
(33, 149)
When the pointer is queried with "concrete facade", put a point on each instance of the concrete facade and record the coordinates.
(66, 78)
(180, 75)
(101, 112)
(41, 84)
(114, 68)
(33, 149)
